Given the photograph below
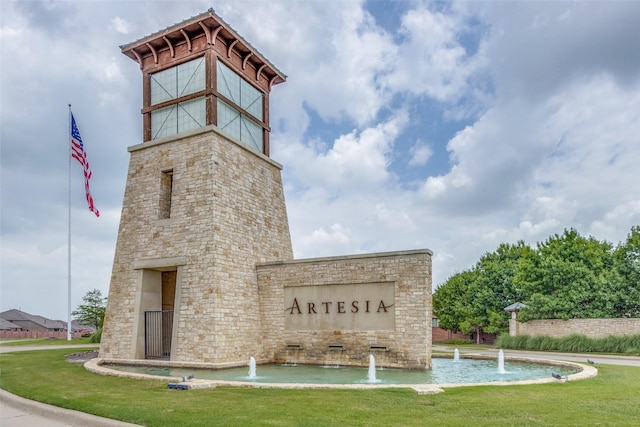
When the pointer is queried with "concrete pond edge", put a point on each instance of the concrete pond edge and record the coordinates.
(99, 366)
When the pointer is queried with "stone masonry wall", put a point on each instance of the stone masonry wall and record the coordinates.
(227, 214)
(409, 345)
(593, 328)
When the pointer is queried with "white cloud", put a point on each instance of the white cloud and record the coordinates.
(355, 162)
(420, 154)
(336, 50)
(535, 49)
(612, 225)
(538, 100)
(431, 59)
(120, 25)
(336, 239)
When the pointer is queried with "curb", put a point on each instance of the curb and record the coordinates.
(68, 416)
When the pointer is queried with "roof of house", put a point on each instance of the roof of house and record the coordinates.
(5, 325)
(77, 326)
(14, 315)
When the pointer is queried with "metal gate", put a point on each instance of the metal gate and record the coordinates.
(158, 327)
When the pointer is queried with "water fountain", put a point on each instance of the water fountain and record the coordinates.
(456, 355)
(371, 376)
(252, 368)
(501, 362)
(444, 371)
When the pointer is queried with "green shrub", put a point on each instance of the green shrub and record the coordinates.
(633, 351)
(459, 341)
(96, 337)
(624, 344)
(516, 343)
(576, 343)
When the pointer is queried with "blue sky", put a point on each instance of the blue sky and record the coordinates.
(452, 126)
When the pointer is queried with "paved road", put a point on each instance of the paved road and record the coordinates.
(571, 357)
(4, 348)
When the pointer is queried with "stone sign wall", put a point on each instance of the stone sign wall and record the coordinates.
(339, 310)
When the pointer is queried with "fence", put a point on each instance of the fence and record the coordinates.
(158, 327)
(592, 328)
(37, 334)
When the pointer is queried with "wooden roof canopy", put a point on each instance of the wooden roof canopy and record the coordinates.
(211, 26)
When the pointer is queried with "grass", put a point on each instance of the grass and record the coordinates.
(466, 346)
(44, 341)
(609, 399)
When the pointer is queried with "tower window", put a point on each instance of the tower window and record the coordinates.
(178, 81)
(241, 110)
(175, 84)
(239, 126)
(166, 192)
(178, 118)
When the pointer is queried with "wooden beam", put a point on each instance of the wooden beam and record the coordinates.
(259, 71)
(214, 34)
(231, 48)
(173, 54)
(207, 32)
(246, 58)
(155, 54)
(186, 37)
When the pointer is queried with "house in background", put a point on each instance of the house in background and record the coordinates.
(80, 327)
(441, 335)
(5, 325)
(18, 324)
(31, 322)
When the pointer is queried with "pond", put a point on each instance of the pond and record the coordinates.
(444, 371)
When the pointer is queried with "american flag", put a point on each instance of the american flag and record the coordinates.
(78, 153)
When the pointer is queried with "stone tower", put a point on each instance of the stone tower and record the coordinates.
(203, 202)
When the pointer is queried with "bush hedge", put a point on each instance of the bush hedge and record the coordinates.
(96, 337)
(458, 341)
(624, 344)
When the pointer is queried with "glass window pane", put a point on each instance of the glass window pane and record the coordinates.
(251, 134)
(191, 77)
(228, 83)
(251, 99)
(240, 127)
(191, 114)
(178, 81)
(163, 86)
(228, 119)
(163, 122)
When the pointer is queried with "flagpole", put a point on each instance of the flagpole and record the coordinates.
(69, 336)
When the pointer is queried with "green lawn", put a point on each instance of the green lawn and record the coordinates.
(613, 398)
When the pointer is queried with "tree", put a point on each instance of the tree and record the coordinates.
(626, 265)
(567, 277)
(451, 301)
(92, 311)
(494, 288)
(474, 300)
